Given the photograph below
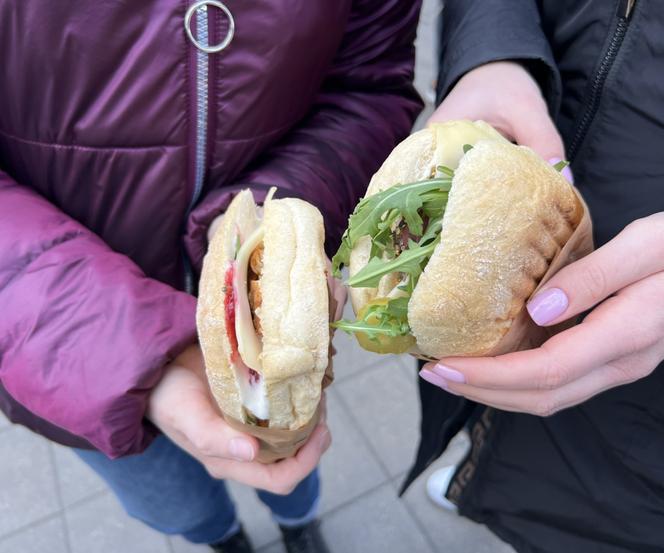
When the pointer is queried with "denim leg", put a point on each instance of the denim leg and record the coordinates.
(168, 490)
(298, 507)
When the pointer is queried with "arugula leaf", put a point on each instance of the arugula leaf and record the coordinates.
(407, 286)
(342, 257)
(398, 308)
(467, 148)
(432, 232)
(403, 198)
(435, 208)
(382, 319)
(561, 165)
(369, 217)
(410, 261)
(370, 329)
(412, 203)
(443, 170)
(381, 242)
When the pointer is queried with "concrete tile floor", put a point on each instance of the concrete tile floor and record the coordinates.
(50, 501)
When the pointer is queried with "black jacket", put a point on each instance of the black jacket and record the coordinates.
(591, 478)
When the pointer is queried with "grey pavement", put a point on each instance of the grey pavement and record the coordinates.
(51, 502)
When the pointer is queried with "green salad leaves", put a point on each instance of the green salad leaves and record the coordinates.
(404, 224)
(387, 318)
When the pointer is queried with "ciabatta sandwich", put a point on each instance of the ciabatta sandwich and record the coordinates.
(455, 232)
(263, 312)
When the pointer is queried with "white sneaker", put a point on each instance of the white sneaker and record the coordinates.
(437, 485)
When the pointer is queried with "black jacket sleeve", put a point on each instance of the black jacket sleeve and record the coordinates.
(475, 32)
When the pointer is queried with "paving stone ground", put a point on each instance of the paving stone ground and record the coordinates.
(51, 502)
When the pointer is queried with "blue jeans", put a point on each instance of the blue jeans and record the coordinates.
(170, 491)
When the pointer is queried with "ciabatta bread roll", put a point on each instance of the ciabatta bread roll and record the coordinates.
(263, 313)
(483, 220)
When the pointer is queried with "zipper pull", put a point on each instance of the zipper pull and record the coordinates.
(626, 8)
(202, 7)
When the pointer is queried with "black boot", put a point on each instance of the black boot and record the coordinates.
(304, 539)
(237, 543)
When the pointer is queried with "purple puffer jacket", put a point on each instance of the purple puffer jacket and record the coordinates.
(120, 141)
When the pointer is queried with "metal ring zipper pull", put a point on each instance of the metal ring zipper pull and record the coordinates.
(209, 49)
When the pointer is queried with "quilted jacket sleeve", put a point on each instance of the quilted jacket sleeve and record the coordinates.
(475, 32)
(84, 334)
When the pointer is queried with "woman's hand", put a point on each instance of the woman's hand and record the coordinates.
(620, 341)
(506, 96)
(182, 407)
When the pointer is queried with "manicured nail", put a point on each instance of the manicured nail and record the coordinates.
(547, 306)
(241, 449)
(434, 379)
(566, 172)
(448, 373)
(325, 440)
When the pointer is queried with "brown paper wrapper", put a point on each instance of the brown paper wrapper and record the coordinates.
(280, 443)
(524, 333)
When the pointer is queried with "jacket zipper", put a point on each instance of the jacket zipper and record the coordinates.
(599, 80)
(629, 7)
(202, 86)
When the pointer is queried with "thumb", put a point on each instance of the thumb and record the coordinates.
(211, 436)
(535, 129)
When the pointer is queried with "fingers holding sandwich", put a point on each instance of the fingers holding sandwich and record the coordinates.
(210, 438)
(181, 406)
(505, 95)
(560, 361)
(280, 477)
(618, 343)
(283, 476)
(590, 280)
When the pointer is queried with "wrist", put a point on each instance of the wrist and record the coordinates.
(190, 357)
(175, 375)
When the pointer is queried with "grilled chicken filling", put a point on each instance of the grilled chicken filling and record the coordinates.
(254, 286)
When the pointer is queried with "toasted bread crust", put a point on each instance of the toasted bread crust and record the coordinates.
(508, 215)
(295, 312)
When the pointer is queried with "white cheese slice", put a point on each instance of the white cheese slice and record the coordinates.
(453, 135)
(250, 346)
(252, 394)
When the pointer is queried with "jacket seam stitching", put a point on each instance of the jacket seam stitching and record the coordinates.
(86, 148)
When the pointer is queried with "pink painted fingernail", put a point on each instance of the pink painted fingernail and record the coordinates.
(437, 380)
(566, 172)
(241, 449)
(547, 306)
(433, 378)
(448, 373)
